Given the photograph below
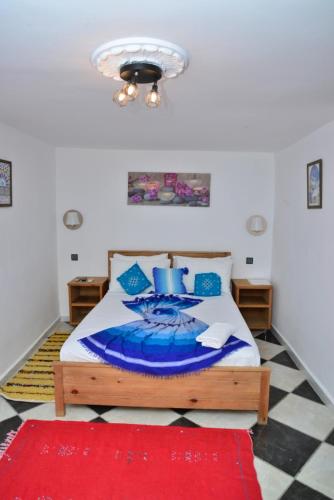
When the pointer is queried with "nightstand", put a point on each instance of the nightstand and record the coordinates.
(84, 295)
(254, 302)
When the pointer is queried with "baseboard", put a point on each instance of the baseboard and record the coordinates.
(311, 378)
(65, 319)
(15, 366)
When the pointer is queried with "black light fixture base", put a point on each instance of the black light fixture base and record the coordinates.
(140, 72)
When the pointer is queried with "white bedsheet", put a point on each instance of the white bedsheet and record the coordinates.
(111, 312)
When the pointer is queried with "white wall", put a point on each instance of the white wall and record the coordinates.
(95, 182)
(28, 277)
(303, 245)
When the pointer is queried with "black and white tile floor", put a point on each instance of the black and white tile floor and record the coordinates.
(294, 453)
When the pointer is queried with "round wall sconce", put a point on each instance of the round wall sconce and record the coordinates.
(72, 219)
(256, 225)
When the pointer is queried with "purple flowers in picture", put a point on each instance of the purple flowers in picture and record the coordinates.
(166, 188)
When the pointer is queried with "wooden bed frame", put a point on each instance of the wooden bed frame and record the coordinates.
(219, 388)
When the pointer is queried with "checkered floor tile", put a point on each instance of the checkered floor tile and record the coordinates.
(294, 453)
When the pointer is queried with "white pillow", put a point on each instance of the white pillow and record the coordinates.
(119, 266)
(140, 257)
(219, 265)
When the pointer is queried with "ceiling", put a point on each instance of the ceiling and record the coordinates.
(261, 73)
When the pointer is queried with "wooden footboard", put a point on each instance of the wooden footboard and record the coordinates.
(219, 388)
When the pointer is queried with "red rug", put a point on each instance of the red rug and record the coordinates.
(96, 461)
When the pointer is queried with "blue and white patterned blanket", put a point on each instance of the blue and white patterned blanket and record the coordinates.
(162, 343)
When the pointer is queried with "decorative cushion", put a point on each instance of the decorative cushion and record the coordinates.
(134, 281)
(169, 280)
(207, 285)
(219, 265)
(119, 266)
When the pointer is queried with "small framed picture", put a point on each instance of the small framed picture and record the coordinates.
(5, 183)
(314, 184)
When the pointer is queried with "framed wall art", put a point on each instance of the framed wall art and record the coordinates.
(169, 189)
(314, 184)
(5, 183)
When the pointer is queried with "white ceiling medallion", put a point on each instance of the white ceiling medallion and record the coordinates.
(139, 61)
(109, 57)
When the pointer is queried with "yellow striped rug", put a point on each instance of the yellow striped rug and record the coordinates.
(34, 381)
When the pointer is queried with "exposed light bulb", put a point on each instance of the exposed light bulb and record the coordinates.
(131, 90)
(120, 98)
(152, 98)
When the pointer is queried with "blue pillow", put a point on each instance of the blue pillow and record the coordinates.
(134, 280)
(207, 285)
(169, 280)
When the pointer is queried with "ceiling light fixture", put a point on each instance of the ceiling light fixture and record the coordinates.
(139, 61)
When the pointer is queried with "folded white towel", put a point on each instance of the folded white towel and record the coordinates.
(212, 344)
(216, 335)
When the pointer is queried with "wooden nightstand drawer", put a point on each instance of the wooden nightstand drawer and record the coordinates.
(84, 295)
(254, 302)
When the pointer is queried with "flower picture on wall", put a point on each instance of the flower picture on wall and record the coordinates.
(5, 183)
(314, 184)
(167, 188)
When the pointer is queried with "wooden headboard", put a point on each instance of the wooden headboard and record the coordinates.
(171, 254)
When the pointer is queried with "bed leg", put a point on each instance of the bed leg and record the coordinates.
(262, 414)
(59, 391)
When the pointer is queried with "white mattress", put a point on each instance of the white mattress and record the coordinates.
(111, 312)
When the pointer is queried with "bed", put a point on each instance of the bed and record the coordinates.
(236, 382)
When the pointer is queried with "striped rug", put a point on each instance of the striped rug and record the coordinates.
(34, 381)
